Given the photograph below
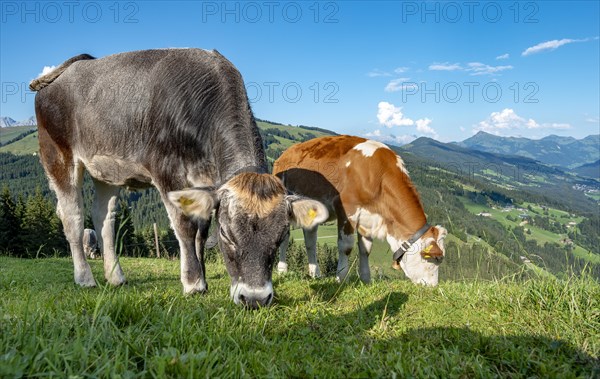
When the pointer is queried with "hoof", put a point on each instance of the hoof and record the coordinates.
(282, 267)
(90, 282)
(314, 271)
(85, 278)
(199, 287)
(115, 276)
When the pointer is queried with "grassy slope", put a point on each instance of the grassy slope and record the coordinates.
(9, 133)
(542, 328)
(538, 234)
(27, 145)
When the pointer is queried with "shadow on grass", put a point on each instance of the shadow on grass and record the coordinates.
(464, 352)
(446, 352)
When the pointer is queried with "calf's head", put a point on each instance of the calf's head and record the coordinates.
(254, 214)
(422, 260)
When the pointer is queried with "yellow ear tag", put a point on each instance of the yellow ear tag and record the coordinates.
(426, 251)
(312, 214)
(185, 201)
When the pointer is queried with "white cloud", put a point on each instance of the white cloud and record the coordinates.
(474, 68)
(445, 67)
(503, 56)
(375, 133)
(399, 84)
(390, 138)
(46, 70)
(507, 119)
(377, 73)
(552, 45)
(556, 125)
(423, 127)
(390, 115)
(593, 120)
(400, 70)
(477, 68)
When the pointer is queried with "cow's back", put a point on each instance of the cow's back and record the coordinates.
(152, 95)
(151, 113)
(360, 172)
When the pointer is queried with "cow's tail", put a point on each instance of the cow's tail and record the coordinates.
(42, 81)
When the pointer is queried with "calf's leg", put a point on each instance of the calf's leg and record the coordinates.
(364, 249)
(310, 240)
(282, 266)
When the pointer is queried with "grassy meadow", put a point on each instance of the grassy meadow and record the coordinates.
(545, 327)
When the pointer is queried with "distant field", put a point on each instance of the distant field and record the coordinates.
(6, 134)
(24, 146)
(294, 131)
(537, 234)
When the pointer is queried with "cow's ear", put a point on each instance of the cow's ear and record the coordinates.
(440, 234)
(195, 202)
(306, 213)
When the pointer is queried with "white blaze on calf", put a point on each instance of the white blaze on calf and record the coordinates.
(368, 147)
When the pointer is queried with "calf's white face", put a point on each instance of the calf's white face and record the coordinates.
(422, 261)
(254, 214)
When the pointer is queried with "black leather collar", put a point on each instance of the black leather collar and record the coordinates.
(406, 245)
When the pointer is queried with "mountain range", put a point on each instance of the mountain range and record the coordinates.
(6, 122)
(566, 152)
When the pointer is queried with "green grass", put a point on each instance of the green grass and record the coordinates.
(49, 327)
(540, 235)
(6, 134)
(24, 146)
(295, 131)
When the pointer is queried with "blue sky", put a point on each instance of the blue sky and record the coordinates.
(391, 70)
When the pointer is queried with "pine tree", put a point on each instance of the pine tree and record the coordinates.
(42, 232)
(10, 224)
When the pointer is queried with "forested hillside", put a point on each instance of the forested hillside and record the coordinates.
(497, 227)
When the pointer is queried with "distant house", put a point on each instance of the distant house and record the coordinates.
(524, 259)
(566, 241)
(524, 215)
(484, 214)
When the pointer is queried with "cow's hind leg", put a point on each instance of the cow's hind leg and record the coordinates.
(364, 249)
(103, 216)
(310, 240)
(65, 176)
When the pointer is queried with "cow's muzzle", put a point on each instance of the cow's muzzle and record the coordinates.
(250, 296)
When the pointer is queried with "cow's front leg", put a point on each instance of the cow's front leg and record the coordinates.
(192, 270)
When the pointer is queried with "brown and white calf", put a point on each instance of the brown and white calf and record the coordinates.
(366, 186)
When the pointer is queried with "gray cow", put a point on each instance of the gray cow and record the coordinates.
(174, 119)
(90, 243)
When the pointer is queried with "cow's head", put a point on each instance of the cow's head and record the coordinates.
(254, 214)
(421, 262)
